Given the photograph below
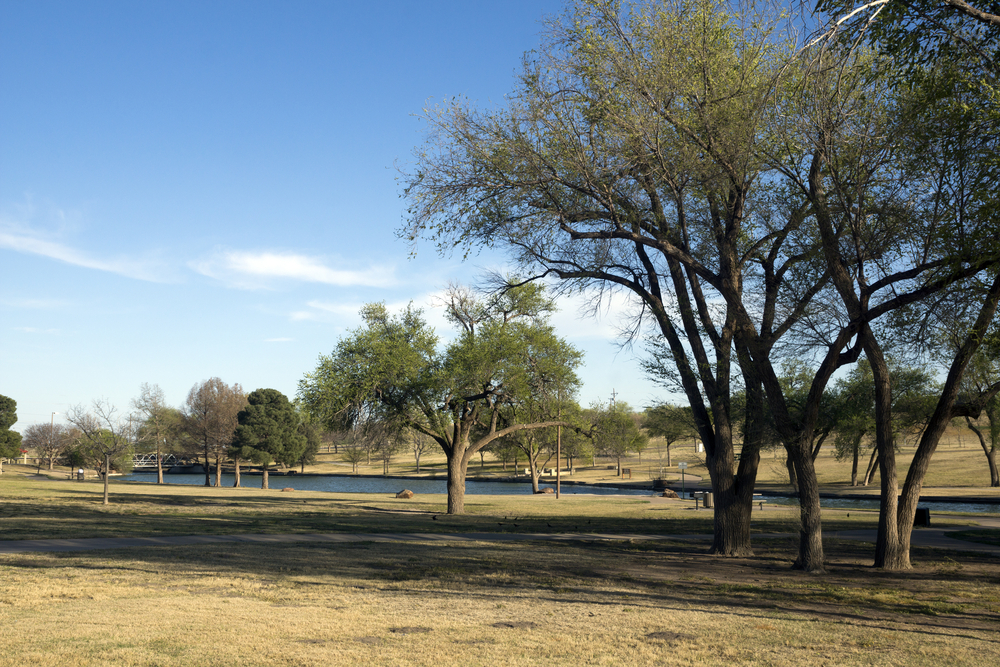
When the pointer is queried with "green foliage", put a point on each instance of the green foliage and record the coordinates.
(506, 367)
(673, 423)
(922, 33)
(10, 441)
(311, 433)
(268, 430)
(913, 395)
(506, 371)
(383, 368)
(617, 430)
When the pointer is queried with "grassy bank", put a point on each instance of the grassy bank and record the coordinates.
(470, 603)
(608, 603)
(36, 509)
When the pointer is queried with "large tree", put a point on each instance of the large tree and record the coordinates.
(947, 51)
(901, 182)
(10, 441)
(477, 389)
(107, 436)
(616, 432)
(210, 421)
(48, 440)
(673, 423)
(984, 373)
(268, 431)
(158, 420)
(633, 157)
(760, 200)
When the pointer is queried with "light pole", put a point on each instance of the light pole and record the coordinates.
(558, 443)
(52, 426)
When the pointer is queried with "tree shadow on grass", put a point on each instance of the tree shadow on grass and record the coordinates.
(638, 575)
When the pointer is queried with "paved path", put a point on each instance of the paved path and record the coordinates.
(921, 537)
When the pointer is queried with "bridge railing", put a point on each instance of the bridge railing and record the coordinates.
(148, 460)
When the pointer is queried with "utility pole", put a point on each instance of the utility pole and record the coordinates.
(559, 444)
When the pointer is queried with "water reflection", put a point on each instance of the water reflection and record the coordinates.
(346, 484)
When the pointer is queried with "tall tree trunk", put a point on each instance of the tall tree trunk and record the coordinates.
(218, 470)
(264, 482)
(208, 466)
(236, 471)
(456, 481)
(533, 470)
(811, 554)
(733, 495)
(159, 463)
(991, 454)
(732, 521)
(991, 458)
(792, 477)
(854, 462)
(107, 476)
(870, 470)
(892, 550)
(899, 555)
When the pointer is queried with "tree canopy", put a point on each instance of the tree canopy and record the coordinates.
(10, 441)
(268, 430)
(210, 421)
(501, 374)
(759, 197)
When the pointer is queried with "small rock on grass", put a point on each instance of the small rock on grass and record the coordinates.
(405, 493)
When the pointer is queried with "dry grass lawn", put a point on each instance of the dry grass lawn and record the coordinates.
(472, 603)
(603, 603)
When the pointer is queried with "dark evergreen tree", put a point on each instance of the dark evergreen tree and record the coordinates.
(268, 431)
(10, 441)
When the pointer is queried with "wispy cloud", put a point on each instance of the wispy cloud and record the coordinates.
(33, 330)
(593, 315)
(279, 340)
(328, 310)
(254, 270)
(19, 239)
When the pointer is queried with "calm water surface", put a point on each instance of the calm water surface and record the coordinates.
(348, 484)
(381, 485)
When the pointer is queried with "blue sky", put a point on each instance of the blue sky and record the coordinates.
(198, 189)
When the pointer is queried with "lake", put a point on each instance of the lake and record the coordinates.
(351, 484)
(357, 484)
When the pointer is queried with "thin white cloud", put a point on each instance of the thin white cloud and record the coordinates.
(589, 315)
(31, 243)
(279, 340)
(254, 270)
(326, 311)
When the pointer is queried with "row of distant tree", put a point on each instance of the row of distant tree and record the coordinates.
(218, 425)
